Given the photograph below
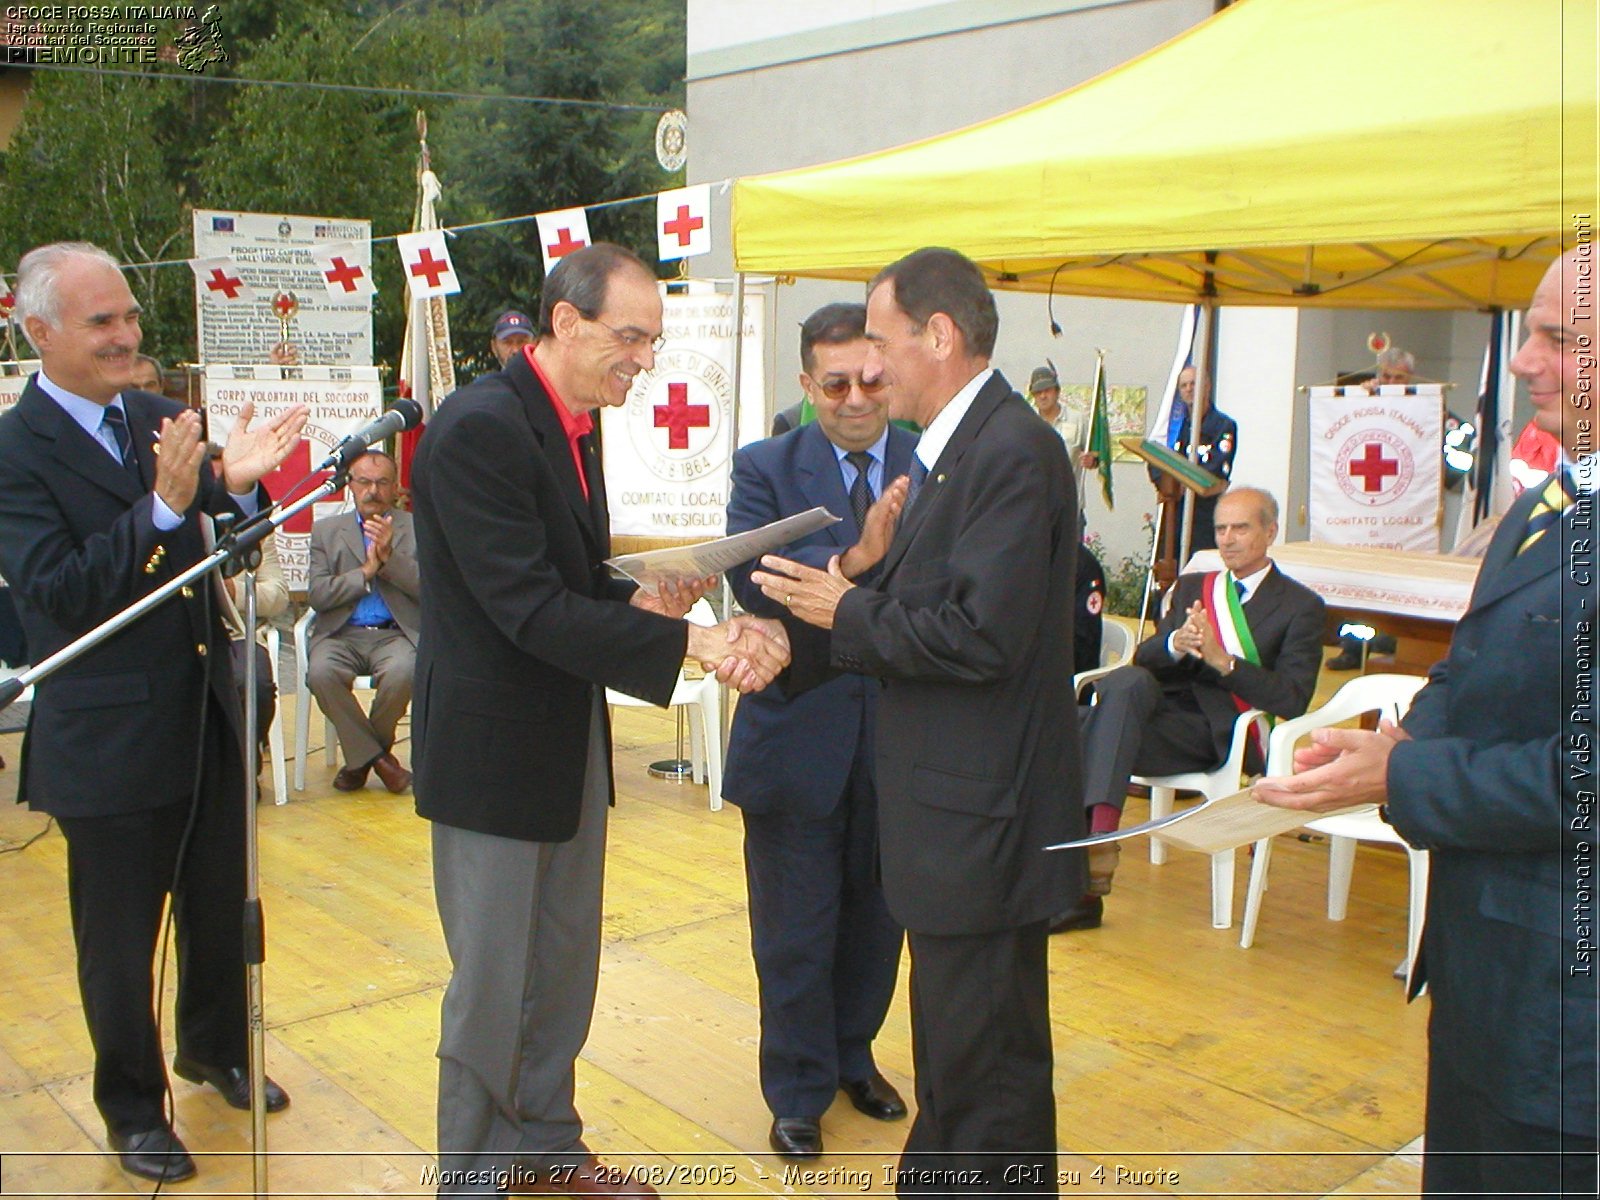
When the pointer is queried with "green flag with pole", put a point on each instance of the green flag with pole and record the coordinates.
(1100, 427)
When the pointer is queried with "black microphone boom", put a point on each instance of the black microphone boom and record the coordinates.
(406, 414)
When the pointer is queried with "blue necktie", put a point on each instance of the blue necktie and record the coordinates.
(918, 474)
(118, 424)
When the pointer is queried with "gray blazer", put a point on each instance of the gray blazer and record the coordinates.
(335, 579)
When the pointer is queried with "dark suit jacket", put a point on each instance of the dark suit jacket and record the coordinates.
(114, 730)
(520, 619)
(793, 754)
(968, 628)
(1498, 784)
(335, 582)
(1286, 619)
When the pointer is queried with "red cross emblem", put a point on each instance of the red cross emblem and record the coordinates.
(430, 266)
(221, 281)
(564, 244)
(683, 225)
(1372, 468)
(290, 472)
(344, 274)
(677, 416)
(285, 305)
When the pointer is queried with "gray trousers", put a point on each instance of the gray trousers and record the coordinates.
(522, 924)
(334, 662)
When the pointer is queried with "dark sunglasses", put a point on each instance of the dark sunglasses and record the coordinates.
(838, 389)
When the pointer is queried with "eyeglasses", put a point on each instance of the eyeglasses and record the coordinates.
(631, 339)
(836, 388)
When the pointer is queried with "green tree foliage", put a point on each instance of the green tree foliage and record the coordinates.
(84, 165)
(123, 160)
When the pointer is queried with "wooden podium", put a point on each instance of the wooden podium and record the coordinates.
(1174, 474)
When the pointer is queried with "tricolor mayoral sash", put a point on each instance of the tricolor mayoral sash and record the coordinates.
(1226, 613)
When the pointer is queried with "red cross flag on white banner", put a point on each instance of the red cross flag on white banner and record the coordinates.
(346, 269)
(426, 263)
(683, 222)
(219, 278)
(560, 233)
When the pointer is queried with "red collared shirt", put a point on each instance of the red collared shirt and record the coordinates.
(573, 425)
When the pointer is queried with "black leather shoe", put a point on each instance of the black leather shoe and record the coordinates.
(875, 1096)
(232, 1082)
(1085, 914)
(154, 1154)
(1343, 662)
(796, 1137)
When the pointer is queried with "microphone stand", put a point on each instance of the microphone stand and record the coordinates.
(238, 549)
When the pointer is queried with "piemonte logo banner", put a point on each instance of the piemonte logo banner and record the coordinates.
(669, 449)
(1375, 466)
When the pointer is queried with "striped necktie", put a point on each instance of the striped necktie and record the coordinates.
(114, 420)
(1547, 510)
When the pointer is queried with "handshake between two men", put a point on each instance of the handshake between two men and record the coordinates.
(745, 652)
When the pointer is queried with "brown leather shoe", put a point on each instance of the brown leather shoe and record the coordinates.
(591, 1177)
(395, 777)
(350, 779)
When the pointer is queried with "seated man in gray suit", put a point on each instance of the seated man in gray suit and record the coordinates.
(363, 584)
(1219, 650)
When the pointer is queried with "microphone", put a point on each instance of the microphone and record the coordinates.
(406, 414)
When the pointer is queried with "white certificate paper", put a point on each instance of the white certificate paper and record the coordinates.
(678, 564)
(1214, 826)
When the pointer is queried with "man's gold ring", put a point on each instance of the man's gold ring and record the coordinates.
(788, 601)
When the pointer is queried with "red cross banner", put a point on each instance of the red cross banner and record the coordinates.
(670, 448)
(220, 280)
(346, 269)
(1375, 466)
(683, 222)
(341, 400)
(560, 233)
(425, 261)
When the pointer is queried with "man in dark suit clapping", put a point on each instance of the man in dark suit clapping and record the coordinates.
(1244, 637)
(137, 746)
(800, 767)
(969, 629)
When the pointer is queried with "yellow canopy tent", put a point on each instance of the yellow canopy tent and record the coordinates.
(1358, 153)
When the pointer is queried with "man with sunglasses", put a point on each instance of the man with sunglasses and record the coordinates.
(800, 767)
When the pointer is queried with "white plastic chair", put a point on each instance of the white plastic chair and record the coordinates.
(1223, 781)
(1389, 696)
(1116, 650)
(304, 701)
(280, 770)
(702, 699)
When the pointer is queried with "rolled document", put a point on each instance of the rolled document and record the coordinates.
(679, 564)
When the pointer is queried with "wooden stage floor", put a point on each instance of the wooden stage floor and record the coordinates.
(1184, 1065)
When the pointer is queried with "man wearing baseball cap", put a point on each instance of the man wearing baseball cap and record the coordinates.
(512, 331)
(1044, 389)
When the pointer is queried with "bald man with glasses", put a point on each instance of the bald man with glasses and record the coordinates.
(800, 768)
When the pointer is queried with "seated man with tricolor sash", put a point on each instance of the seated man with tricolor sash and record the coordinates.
(1247, 637)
